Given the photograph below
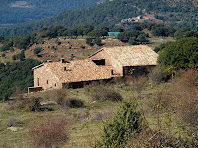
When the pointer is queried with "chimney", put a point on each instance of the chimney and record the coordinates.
(66, 68)
(49, 61)
(112, 72)
(62, 60)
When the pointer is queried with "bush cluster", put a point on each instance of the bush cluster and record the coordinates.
(52, 132)
(30, 104)
(180, 54)
(37, 50)
(157, 75)
(126, 123)
(74, 103)
(186, 86)
(103, 93)
(63, 98)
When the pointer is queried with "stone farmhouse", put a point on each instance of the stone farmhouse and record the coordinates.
(104, 64)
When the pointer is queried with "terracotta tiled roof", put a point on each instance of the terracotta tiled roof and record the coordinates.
(87, 70)
(80, 70)
(133, 55)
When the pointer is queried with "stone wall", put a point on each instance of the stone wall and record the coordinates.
(45, 79)
(109, 61)
(137, 70)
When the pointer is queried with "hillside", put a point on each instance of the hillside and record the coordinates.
(17, 75)
(64, 46)
(154, 110)
(50, 49)
(117, 13)
(174, 124)
(13, 12)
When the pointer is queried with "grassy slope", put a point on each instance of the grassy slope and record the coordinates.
(83, 132)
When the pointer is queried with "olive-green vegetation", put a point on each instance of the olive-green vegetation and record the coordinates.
(20, 56)
(15, 12)
(37, 50)
(184, 33)
(179, 54)
(127, 122)
(182, 53)
(133, 36)
(21, 42)
(110, 13)
(98, 42)
(168, 111)
(18, 75)
(26, 41)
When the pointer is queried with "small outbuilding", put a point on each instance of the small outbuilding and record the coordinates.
(126, 60)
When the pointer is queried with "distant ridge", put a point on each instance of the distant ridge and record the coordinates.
(119, 13)
(13, 12)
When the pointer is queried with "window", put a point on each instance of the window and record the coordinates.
(99, 62)
(47, 82)
(38, 81)
(55, 84)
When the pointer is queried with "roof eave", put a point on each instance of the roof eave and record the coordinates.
(38, 66)
(95, 53)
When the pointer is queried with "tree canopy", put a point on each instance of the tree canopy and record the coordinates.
(133, 37)
(19, 11)
(113, 14)
(182, 53)
(17, 75)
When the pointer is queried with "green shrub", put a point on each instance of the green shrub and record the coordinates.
(20, 56)
(30, 104)
(11, 49)
(132, 41)
(35, 104)
(37, 50)
(3, 55)
(74, 103)
(98, 42)
(103, 93)
(83, 47)
(60, 96)
(59, 43)
(124, 125)
(89, 42)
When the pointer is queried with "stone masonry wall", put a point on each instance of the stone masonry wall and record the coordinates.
(109, 61)
(45, 79)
